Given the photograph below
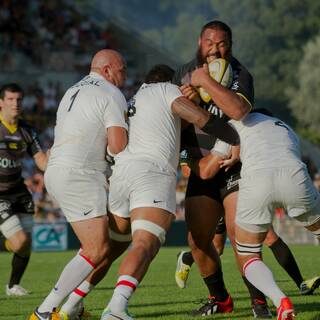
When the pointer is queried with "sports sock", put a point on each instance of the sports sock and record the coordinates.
(124, 289)
(255, 294)
(187, 258)
(216, 287)
(19, 265)
(76, 295)
(286, 260)
(261, 277)
(72, 275)
(4, 244)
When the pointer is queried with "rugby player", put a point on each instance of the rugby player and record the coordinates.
(90, 120)
(217, 196)
(17, 139)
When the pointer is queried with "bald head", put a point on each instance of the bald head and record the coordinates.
(111, 65)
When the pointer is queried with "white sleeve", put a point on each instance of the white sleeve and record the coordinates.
(115, 111)
(171, 93)
(221, 149)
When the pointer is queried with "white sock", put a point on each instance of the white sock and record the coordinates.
(124, 289)
(72, 275)
(261, 277)
(76, 296)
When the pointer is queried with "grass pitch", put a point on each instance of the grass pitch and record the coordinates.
(158, 297)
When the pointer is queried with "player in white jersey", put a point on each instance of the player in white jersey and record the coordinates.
(90, 120)
(142, 185)
(272, 175)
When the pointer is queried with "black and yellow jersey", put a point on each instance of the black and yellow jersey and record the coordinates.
(196, 142)
(15, 142)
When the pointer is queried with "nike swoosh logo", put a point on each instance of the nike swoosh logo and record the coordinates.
(157, 201)
(86, 213)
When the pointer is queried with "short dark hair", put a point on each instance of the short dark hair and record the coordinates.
(11, 87)
(216, 24)
(159, 73)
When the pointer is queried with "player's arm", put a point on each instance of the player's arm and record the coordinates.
(221, 155)
(207, 122)
(232, 104)
(117, 139)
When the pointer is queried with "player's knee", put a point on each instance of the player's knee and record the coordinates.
(248, 249)
(199, 242)
(21, 243)
(147, 249)
(96, 253)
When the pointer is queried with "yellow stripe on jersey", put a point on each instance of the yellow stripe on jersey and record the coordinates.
(12, 128)
(245, 98)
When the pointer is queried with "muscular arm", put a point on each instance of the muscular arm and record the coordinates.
(201, 118)
(231, 103)
(117, 139)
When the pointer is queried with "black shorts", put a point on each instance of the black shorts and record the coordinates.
(221, 226)
(216, 188)
(14, 201)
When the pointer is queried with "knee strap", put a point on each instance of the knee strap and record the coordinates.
(246, 249)
(119, 237)
(151, 227)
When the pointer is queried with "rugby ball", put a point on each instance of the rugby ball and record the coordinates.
(221, 71)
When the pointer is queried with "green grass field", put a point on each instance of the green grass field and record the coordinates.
(158, 297)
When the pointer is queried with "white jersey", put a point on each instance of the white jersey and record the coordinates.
(86, 110)
(154, 131)
(266, 142)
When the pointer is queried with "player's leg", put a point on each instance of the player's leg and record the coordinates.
(311, 221)
(258, 300)
(149, 226)
(88, 219)
(220, 236)
(201, 225)
(16, 239)
(284, 256)
(249, 239)
(120, 238)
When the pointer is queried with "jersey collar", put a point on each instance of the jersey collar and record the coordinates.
(12, 128)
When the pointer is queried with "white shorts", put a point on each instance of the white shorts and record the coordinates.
(16, 223)
(263, 191)
(80, 193)
(141, 184)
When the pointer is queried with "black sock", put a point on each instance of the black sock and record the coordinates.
(255, 294)
(216, 286)
(3, 246)
(187, 258)
(19, 265)
(286, 260)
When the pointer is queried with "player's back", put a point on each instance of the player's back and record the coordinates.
(267, 142)
(154, 131)
(80, 132)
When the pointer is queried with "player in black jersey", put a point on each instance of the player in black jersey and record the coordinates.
(16, 206)
(216, 196)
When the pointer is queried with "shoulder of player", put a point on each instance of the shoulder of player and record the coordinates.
(239, 68)
(23, 124)
(182, 70)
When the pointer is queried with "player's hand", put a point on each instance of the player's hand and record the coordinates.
(190, 92)
(234, 158)
(200, 76)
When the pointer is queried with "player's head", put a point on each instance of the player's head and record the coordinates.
(11, 96)
(159, 73)
(215, 41)
(111, 65)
